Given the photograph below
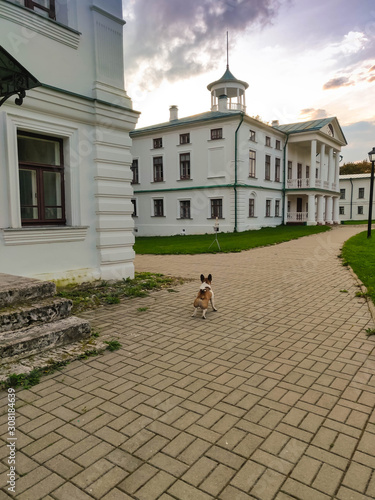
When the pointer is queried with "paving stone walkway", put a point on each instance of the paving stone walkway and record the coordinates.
(272, 397)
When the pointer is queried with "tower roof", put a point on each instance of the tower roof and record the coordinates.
(227, 77)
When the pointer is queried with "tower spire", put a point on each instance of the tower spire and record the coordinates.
(227, 52)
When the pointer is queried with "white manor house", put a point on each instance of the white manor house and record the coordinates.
(225, 166)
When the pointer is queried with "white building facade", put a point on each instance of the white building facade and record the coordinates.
(227, 165)
(65, 190)
(354, 197)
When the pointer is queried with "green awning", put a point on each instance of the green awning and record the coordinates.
(14, 78)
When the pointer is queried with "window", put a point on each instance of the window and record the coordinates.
(158, 168)
(278, 145)
(290, 170)
(44, 7)
(185, 209)
(41, 179)
(342, 194)
(185, 166)
(268, 141)
(159, 208)
(158, 143)
(217, 208)
(268, 208)
(361, 192)
(277, 208)
(251, 207)
(307, 172)
(360, 210)
(134, 169)
(277, 169)
(252, 135)
(342, 210)
(134, 214)
(216, 133)
(252, 158)
(267, 174)
(184, 138)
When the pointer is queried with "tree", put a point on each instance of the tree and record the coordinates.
(360, 167)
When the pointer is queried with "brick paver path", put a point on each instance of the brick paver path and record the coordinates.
(272, 397)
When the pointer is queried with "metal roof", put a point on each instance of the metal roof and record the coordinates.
(355, 176)
(293, 128)
(228, 77)
(210, 115)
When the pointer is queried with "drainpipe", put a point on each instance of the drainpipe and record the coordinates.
(284, 180)
(235, 172)
(351, 199)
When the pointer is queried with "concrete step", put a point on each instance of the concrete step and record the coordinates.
(18, 289)
(44, 311)
(34, 339)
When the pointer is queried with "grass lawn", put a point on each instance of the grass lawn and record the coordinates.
(356, 222)
(229, 242)
(359, 253)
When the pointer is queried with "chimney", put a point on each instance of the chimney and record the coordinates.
(173, 113)
(223, 103)
(275, 123)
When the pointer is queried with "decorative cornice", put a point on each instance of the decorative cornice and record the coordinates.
(33, 235)
(107, 14)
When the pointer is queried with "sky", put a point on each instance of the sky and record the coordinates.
(302, 59)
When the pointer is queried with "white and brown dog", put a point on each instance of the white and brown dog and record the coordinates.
(204, 296)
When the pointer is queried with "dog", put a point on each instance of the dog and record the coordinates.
(204, 296)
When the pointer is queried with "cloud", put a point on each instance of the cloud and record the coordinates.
(360, 136)
(313, 114)
(178, 39)
(335, 83)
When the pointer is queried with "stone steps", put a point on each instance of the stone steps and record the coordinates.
(34, 339)
(32, 321)
(44, 311)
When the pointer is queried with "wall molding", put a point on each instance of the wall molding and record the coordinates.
(40, 235)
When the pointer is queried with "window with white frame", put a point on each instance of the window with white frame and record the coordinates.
(268, 208)
(267, 169)
(216, 133)
(185, 138)
(184, 166)
(361, 192)
(360, 210)
(158, 168)
(278, 144)
(342, 210)
(277, 208)
(41, 179)
(185, 209)
(158, 207)
(158, 143)
(251, 207)
(342, 194)
(135, 172)
(44, 7)
(277, 169)
(268, 141)
(290, 170)
(252, 135)
(134, 202)
(252, 163)
(307, 172)
(216, 208)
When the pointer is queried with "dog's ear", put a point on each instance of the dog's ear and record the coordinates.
(209, 277)
(202, 278)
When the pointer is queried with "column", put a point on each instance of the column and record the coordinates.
(337, 169)
(286, 209)
(313, 164)
(330, 168)
(336, 214)
(329, 207)
(320, 209)
(311, 210)
(322, 173)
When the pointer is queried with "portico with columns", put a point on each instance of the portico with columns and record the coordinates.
(312, 157)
